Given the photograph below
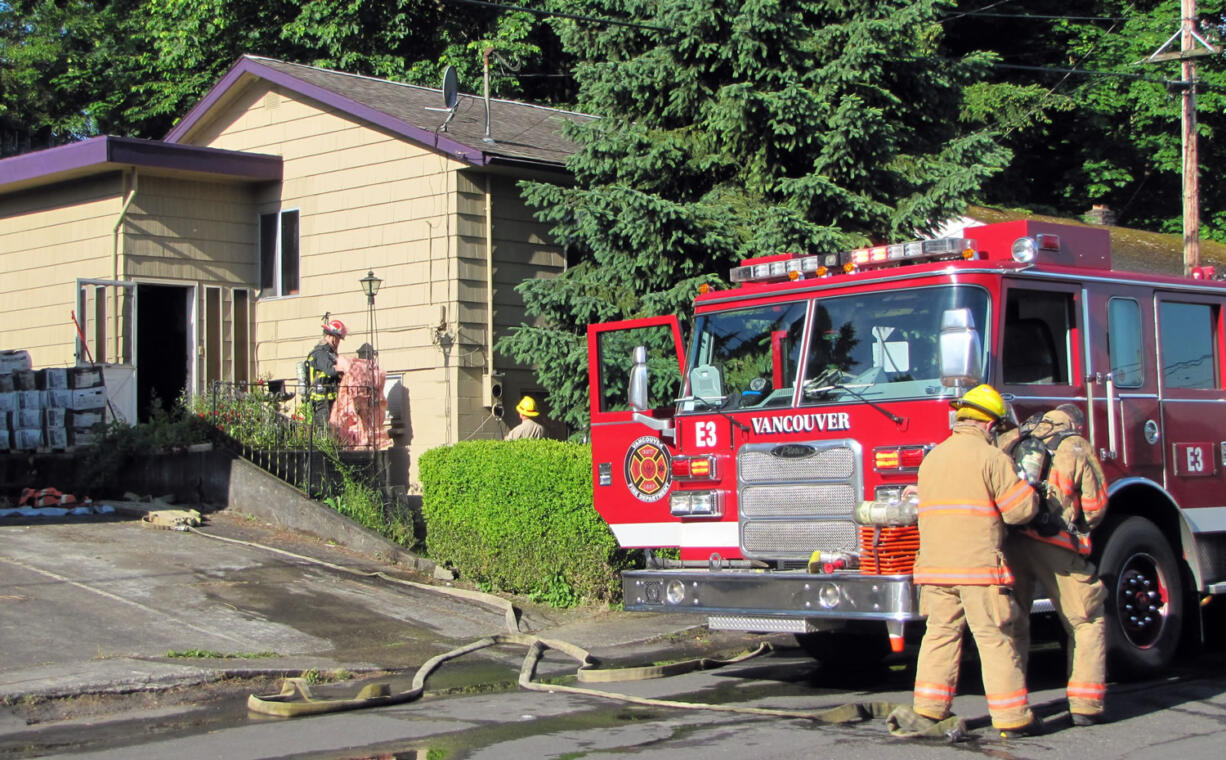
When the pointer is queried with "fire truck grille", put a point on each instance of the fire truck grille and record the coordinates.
(795, 498)
(761, 466)
(796, 537)
(810, 500)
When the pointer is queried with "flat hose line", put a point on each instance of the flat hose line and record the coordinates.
(295, 698)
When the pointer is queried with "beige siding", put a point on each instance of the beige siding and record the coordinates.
(367, 201)
(48, 239)
(194, 231)
(521, 251)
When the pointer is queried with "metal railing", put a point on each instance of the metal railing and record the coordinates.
(273, 425)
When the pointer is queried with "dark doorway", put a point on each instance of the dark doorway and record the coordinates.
(162, 346)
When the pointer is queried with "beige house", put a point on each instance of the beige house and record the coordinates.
(213, 253)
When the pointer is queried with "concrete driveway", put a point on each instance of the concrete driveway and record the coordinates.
(93, 605)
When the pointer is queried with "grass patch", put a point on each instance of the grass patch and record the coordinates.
(208, 654)
(315, 675)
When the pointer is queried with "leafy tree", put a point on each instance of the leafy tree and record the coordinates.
(193, 42)
(76, 68)
(1109, 133)
(62, 70)
(736, 129)
(187, 45)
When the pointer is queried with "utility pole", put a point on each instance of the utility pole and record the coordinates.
(1191, 164)
(1187, 55)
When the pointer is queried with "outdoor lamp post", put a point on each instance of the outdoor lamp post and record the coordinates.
(370, 286)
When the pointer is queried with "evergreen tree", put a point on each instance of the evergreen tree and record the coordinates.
(738, 128)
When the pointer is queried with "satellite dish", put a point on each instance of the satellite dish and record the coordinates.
(451, 87)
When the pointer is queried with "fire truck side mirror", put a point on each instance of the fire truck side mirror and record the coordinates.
(961, 350)
(637, 393)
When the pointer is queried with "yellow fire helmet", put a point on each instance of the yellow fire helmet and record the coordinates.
(981, 403)
(527, 407)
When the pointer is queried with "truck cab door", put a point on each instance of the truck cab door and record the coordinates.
(1193, 415)
(1125, 420)
(632, 449)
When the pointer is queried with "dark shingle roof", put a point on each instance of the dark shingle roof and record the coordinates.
(520, 131)
(1132, 250)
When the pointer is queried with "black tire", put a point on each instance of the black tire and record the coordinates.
(859, 645)
(1145, 594)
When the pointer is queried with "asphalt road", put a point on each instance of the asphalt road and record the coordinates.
(89, 613)
(1180, 716)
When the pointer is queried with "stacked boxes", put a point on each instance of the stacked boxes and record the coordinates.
(28, 417)
(14, 375)
(48, 408)
(8, 403)
(55, 413)
(14, 361)
(87, 405)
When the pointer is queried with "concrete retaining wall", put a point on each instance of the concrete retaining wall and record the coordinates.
(208, 480)
(254, 492)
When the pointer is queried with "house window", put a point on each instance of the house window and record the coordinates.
(242, 336)
(1186, 338)
(212, 336)
(279, 253)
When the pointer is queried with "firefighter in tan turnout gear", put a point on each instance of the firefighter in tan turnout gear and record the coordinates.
(528, 427)
(1053, 551)
(969, 490)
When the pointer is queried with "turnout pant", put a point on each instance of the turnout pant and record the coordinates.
(1071, 582)
(991, 612)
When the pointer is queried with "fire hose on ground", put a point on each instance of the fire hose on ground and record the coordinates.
(295, 698)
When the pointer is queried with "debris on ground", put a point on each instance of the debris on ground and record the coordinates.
(51, 502)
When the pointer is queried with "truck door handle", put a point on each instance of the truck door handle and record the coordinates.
(1112, 450)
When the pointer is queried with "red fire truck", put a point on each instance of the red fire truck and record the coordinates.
(775, 451)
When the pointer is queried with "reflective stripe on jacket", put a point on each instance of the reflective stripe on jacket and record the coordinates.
(968, 492)
(322, 375)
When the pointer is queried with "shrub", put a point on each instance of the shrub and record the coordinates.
(117, 443)
(356, 497)
(517, 516)
(251, 415)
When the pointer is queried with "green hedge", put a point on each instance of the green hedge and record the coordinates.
(517, 516)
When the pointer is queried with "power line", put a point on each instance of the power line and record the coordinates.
(555, 14)
(1036, 16)
(1094, 72)
(964, 14)
(1088, 72)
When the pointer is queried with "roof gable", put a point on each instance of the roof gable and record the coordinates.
(520, 132)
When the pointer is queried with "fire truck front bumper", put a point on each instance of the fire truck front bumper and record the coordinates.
(775, 601)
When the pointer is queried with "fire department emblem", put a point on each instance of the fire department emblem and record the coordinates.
(648, 470)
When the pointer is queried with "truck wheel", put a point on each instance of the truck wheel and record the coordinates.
(853, 647)
(1144, 607)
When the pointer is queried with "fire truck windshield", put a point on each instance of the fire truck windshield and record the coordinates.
(880, 345)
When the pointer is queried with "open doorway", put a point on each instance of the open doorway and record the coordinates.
(163, 346)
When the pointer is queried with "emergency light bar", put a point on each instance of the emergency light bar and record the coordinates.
(796, 266)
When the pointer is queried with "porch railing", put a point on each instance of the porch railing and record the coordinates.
(271, 424)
